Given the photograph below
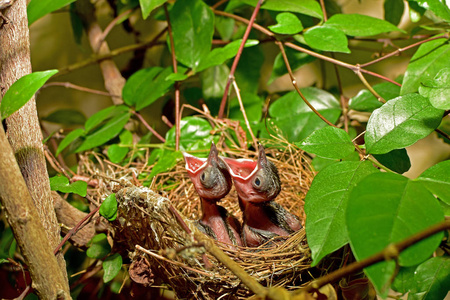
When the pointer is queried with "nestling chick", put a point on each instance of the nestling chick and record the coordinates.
(258, 184)
(213, 182)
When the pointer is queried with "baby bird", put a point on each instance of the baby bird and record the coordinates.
(257, 184)
(213, 182)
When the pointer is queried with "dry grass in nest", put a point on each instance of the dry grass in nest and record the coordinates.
(175, 257)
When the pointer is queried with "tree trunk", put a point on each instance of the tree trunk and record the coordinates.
(23, 130)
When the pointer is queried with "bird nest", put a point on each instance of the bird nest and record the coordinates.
(155, 228)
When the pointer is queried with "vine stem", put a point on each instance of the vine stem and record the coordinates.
(294, 83)
(392, 251)
(247, 123)
(177, 84)
(238, 56)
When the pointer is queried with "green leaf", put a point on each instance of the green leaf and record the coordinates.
(326, 203)
(252, 105)
(220, 55)
(439, 8)
(329, 142)
(320, 163)
(404, 281)
(400, 123)
(117, 153)
(296, 60)
(432, 279)
(437, 180)
(287, 24)
(195, 134)
(386, 208)
(393, 11)
(306, 7)
(103, 115)
(437, 90)
(99, 247)
(66, 117)
(8, 243)
(248, 71)
(61, 184)
(214, 80)
(360, 25)
(177, 77)
(296, 119)
(73, 135)
(166, 161)
(36, 9)
(397, 160)
(105, 133)
(428, 60)
(366, 101)
(147, 6)
(193, 28)
(327, 39)
(225, 27)
(111, 267)
(108, 208)
(21, 91)
(146, 86)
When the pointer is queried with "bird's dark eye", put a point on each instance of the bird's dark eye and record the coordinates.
(257, 181)
(203, 176)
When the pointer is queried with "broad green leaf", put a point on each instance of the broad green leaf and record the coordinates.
(400, 123)
(366, 101)
(61, 184)
(111, 267)
(386, 208)
(117, 153)
(36, 9)
(103, 115)
(397, 160)
(147, 6)
(306, 7)
(432, 279)
(220, 55)
(193, 28)
(327, 39)
(7, 243)
(166, 161)
(214, 80)
(252, 105)
(296, 60)
(66, 117)
(105, 133)
(437, 180)
(21, 91)
(99, 247)
(360, 25)
(428, 60)
(287, 24)
(404, 281)
(248, 71)
(326, 203)
(73, 135)
(437, 90)
(296, 119)
(177, 77)
(195, 134)
(108, 208)
(146, 86)
(320, 163)
(225, 27)
(439, 8)
(329, 142)
(393, 11)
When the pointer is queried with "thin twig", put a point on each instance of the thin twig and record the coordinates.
(110, 27)
(294, 83)
(443, 134)
(236, 59)
(369, 87)
(79, 88)
(153, 131)
(391, 251)
(247, 123)
(177, 84)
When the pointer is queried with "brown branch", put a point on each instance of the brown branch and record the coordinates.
(69, 85)
(237, 57)
(294, 83)
(177, 84)
(391, 251)
(153, 131)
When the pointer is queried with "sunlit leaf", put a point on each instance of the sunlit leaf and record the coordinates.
(306, 7)
(111, 267)
(437, 90)
(21, 91)
(148, 5)
(195, 134)
(437, 180)
(61, 184)
(73, 135)
(360, 25)
(108, 208)
(366, 101)
(327, 39)
(329, 142)
(287, 24)
(36, 9)
(431, 279)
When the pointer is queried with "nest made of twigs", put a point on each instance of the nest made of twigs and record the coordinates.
(161, 218)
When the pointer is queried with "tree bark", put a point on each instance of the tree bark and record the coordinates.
(48, 280)
(23, 130)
